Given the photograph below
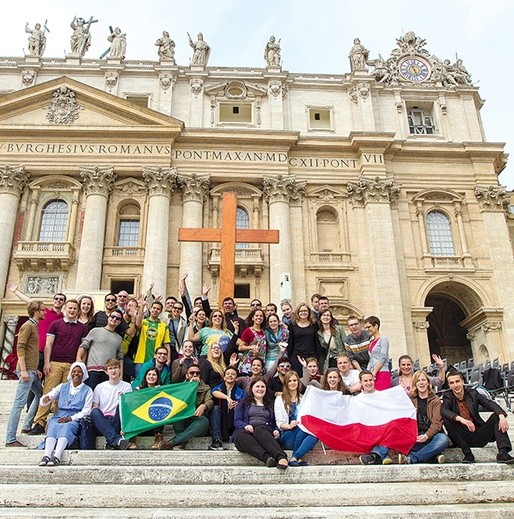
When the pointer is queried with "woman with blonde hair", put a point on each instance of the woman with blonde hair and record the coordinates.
(286, 414)
(86, 310)
(303, 339)
(430, 442)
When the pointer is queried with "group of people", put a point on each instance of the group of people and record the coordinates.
(251, 375)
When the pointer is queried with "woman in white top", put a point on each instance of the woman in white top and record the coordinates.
(286, 413)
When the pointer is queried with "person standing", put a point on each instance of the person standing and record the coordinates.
(28, 374)
(62, 343)
(378, 354)
(303, 339)
(356, 343)
(51, 315)
(98, 346)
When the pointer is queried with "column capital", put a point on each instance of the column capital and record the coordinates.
(492, 198)
(282, 188)
(194, 187)
(13, 179)
(97, 180)
(160, 181)
(373, 190)
(10, 320)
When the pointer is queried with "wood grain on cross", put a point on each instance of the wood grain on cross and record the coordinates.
(228, 236)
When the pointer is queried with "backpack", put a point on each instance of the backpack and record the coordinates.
(492, 379)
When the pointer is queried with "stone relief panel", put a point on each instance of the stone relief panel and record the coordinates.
(42, 286)
(64, 108)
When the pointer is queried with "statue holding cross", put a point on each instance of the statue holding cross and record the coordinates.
(81, 37)
(228, 235)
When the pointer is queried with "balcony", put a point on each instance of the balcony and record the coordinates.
(330, 260)
(448, 263)
(248, 261)
(124, 255)
(42, 255)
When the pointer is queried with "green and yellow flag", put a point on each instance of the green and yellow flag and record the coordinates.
(152, 407)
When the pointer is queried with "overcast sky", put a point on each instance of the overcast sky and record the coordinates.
(316, 36)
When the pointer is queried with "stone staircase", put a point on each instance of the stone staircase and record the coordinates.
(203, 484)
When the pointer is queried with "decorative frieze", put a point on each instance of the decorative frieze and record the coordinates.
(42, 285)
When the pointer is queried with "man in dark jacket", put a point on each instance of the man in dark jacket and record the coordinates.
(465, 426)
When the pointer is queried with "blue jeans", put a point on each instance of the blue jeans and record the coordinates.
(20, 399)
(430, 449)
(381, 450)
(108, 426)
(298, 441)
(215, 419)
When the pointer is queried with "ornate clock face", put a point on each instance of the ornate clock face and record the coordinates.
(414, 69)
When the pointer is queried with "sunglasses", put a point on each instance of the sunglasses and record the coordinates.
(110, 300)
(287, 366)
(115, 318)
(193, 373)
(58, 298)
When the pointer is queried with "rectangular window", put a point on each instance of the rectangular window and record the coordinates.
(231, 113)
(320, 118)
(242, 291)
(128, 234)
(420, 121)
(122, 284)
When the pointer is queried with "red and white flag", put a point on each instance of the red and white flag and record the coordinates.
(358, 423)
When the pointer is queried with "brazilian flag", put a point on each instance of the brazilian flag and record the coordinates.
(152, 407)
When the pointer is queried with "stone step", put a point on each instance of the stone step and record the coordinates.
(439, 511)
(265, 495)
(234, 475)
(198, 457)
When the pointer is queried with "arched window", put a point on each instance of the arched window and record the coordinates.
(439, 234)
(54, 221)
(128, 225)
(242, 222)
(329, 236)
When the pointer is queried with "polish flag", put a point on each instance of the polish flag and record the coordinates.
(358, 423)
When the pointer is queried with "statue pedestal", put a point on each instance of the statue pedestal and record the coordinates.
(113, 62)
(274, 70)
(73, 58)
(32, 60)
(197, 68)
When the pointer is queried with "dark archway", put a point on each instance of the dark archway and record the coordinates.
(452, 303)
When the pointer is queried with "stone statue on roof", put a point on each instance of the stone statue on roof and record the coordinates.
(272, 52)
(118, 41)
(81, 38)
(358, 56)
(201, 50)
(166, 48)
(37, 40)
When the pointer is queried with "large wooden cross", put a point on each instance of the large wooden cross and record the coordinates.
(228, 236)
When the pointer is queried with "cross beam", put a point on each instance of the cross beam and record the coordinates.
(228, 235)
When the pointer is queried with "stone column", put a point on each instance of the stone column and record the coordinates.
(194, 192)
(9, 322)
(376, 195)
(12, 181)
(278, 190)
(160, 183)
(299, 285)
(34, 201)
(97, 186)
(493, 202)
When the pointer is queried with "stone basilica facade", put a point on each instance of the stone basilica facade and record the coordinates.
(380, 181)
